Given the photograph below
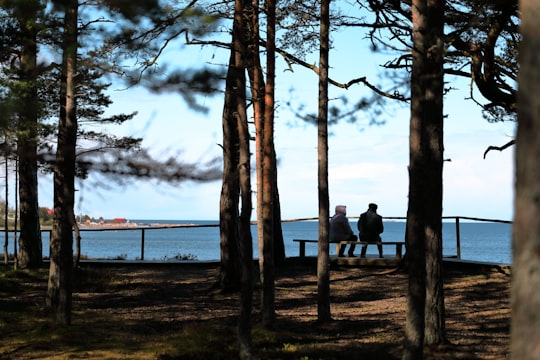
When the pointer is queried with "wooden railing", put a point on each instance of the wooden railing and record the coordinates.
(457, 224)
(144, 229)
(458, 231)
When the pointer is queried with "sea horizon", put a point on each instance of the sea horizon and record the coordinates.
(169, 240)
(479, 241)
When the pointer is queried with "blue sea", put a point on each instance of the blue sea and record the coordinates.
(480, 241)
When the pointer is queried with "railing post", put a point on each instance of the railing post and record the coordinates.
(458, 239)
(142, 244)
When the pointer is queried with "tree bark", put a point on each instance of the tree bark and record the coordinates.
(323, 258)
(277, 231)
(525, 298)
(425, 301)
(433, 84)
(30, 245)
(236, 95)
(6, 210)
(257, 84)
(230, 271)
(266, 254)
(60, 286)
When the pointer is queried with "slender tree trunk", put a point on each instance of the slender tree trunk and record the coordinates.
(433, 84)
(246, 241)
(30, 245)
(323, 259)
(60, 287)
(236, 86)
(525, 335)
(6, 210)
(230, 271)
(415, 236)
(16, 218)
(257, 84)
(77, 231)
(277, 231)
(266, 258)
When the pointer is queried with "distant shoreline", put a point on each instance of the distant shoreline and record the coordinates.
(112, 226)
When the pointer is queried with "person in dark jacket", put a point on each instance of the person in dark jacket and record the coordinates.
(370, 227)
(340, 230)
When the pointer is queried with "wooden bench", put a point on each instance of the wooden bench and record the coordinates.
(398, 244)
(302, 244)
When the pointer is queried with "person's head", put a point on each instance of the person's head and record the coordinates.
(372, 207)
(341, 209)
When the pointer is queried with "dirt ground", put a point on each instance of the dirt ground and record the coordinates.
(169, 312)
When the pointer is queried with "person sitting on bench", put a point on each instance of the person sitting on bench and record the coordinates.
(340, 230)
(370, 226)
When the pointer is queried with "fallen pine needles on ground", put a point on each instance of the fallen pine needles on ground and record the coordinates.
(168, 312)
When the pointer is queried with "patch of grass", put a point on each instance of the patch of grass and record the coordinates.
(13, 282)
(118, 257)
(180, 257)
(199, 341)
(91, 279)
(168, 313)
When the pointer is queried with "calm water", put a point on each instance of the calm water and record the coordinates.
(480, 241)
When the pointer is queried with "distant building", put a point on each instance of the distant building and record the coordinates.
(119, 220)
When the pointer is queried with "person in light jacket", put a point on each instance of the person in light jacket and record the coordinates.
(340, 230)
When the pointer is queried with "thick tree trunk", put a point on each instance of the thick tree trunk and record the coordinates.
(425, 300)
(60, 287)
(323, 258)
(30, 246)
(525, 334)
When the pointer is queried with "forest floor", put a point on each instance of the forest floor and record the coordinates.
(170, 312)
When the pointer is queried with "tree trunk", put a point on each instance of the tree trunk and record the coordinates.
(525, 337)
(432, 107)
(323, 259)
(16, 217)
(279, 243)
(6, 210)
(230, 271)
(236, 95)
(77, 231)
(425, 300)
(30, 246)
(257, 84)
(60, 287)
(246, 243)
(266, 258)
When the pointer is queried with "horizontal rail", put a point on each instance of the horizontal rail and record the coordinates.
(143, 229)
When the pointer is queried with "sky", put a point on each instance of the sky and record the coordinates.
(367, 163)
